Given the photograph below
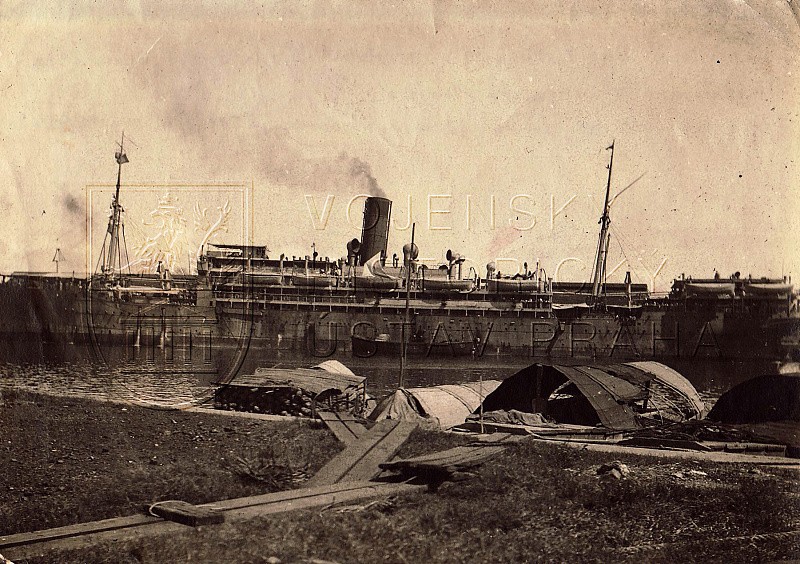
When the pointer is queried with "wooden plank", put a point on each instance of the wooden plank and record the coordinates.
(346, 429)
(448, 461)
(363, 490)
(493, 428)
(355, 427)
(539, 431)
(117, 523)
(657, 442)
(113, 524)
(497, 437)
(141, 527)
(287, 495)
(493, 439)
(368, 467)
(746, 447)
(187, 514)
(359, 461)
(730, 457)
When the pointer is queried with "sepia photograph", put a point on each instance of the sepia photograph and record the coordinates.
(318, 282)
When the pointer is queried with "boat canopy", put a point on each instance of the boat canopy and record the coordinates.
(442, 406)
(616, 396)
(772, 397)
(331, 375)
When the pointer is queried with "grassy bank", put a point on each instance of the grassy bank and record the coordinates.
(534, 502)
(69, 460)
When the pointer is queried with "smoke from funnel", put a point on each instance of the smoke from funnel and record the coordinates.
(291, 164)
(362, 171)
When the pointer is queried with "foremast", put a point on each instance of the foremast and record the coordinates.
(111, 255)
(599, 272)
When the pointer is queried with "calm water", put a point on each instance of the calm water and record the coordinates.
(158, 383)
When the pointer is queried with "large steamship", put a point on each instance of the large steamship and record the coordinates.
(243, 305)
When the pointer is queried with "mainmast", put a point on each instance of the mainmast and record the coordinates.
(599, 273)
(406, 319)
(114, 222)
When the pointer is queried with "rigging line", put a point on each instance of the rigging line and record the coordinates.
(619, 242)
(619, 238)
(102, 253)
(623, 242)
(125, 244)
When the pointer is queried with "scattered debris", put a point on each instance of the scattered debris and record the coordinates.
(714, 436)
(614, 469)
(267, 470)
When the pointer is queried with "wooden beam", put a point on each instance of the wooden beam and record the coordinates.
(36, 544)
(360, 460)
(453, 460)
(115, 524)
(344, 426)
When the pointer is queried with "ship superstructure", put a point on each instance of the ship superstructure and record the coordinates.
(244, 304)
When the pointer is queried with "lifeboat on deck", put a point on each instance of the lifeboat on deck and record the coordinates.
(511, 285)
(314, 280)
(710, 289)
(446, 285)
(263, 278)
(767, 289)
(376, 283)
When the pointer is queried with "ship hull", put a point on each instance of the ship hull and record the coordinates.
(66, 319)
(366, 334)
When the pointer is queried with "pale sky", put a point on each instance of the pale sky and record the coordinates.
(454, 105)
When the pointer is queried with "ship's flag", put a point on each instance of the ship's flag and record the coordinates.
(122, 158)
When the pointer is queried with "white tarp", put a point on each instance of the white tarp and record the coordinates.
(445, 406)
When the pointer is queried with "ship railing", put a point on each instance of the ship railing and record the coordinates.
(347, 295)
(421, 301)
